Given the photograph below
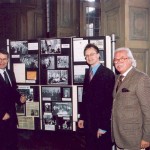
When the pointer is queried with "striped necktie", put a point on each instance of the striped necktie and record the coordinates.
(119, 81)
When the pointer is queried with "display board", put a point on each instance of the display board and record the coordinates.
(50, 72)
(80, 65)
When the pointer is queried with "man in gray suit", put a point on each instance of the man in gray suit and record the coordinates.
(131, 106)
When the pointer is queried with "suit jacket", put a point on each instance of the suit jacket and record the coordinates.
(131, 110)
(97, 100)
(8, 97)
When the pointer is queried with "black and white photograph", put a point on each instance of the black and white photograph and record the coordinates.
(47, 62)
(24, 91)
(63, 123)
(28, 92)
(20, 109)
(66, 94)
(67, 124)
(51, 46)
(19, 47)
(79, 93)
(30, 60)
(98, 43)
(79, 73)
(51, 94)
(62, 61)
(57, 76)
(101, 55)
(47, 107)
(49, 122)
(34, 112)
(30, 96)
(62, 108)
(43, 47)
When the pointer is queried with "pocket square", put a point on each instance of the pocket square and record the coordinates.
(125, 90)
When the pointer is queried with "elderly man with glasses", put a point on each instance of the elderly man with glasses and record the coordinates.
(131, 106)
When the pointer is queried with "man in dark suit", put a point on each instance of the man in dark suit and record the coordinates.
(131, 106)
(8, 97)
(97, 102)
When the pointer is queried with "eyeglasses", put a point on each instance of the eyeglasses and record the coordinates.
(90, 55)
(120, 60)
(4, 59)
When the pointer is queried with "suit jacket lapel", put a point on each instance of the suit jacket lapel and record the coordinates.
(10, 77)
(128, 77)
(1, 78)
(126, 80)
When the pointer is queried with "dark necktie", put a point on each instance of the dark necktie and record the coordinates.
(119, 81)
(6, 78)
(90, 74)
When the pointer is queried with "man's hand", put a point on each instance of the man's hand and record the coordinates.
(81, 124)
(100, 133)
(145, 144)
(23, 99)
(6, 116)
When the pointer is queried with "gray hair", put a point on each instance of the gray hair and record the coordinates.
(129, 54)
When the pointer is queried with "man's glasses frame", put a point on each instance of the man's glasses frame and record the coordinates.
(3, 59)
(120, 60)
(90, 55)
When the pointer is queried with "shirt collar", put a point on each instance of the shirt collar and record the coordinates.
(2, 70)
(94, 68)
(124, 74)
